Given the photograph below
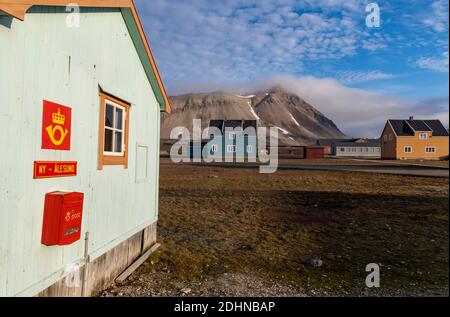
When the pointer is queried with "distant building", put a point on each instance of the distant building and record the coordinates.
(234, 139)
(314, 152)
(362, 148)
(414, 139)
(327, 145)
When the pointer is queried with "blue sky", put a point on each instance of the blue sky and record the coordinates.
(311, 47)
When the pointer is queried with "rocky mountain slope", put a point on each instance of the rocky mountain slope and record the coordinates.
(298, 122)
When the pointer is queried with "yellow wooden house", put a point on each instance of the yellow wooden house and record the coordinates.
(415, 139)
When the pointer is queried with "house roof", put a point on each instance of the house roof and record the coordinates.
(233, 124)
(401, 128)
(330, 142)
(353, 143)
(408, 128)
(437, 127)
(349, 142)
(18, 9)
(215, 124)
(250, 123)
(420, 125)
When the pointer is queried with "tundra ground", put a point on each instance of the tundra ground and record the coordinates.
(235, 232)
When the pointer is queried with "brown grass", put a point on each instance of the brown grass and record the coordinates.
(215, 220)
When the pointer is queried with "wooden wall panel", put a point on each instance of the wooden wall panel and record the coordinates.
(47, 60)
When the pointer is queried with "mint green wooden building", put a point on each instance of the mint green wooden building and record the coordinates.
(93, 62)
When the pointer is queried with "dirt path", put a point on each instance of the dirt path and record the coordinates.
(401, 169)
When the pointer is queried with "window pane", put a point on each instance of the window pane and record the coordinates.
(118, 147)
(119, 118)
(109, 116)
(108, 140)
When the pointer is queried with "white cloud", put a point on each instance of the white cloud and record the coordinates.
(235, 40)
(232, 40)
(436, 64)
(438, 20)
(224, 44)
(357, 112)
(352, 77)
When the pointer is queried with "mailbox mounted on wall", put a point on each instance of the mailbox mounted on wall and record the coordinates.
(63, 213)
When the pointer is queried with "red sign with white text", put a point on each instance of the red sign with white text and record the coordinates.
(54, 169)
(56, 126)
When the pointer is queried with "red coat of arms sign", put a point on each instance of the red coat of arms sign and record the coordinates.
(56, 126)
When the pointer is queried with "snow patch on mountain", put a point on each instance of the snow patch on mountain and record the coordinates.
(246, 97)
(253, 111)
(285, 132)
(295, 121)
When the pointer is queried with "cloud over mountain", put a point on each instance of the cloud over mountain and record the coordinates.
(356, 112)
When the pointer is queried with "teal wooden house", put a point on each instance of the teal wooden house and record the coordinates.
(232, 139)
(80, 98)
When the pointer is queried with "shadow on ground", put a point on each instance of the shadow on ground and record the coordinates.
(276, 234)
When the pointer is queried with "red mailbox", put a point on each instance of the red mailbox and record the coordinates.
(63, 213)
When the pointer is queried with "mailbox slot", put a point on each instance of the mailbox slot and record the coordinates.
(63, 214)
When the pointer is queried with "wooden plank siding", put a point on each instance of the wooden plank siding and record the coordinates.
(45, 59)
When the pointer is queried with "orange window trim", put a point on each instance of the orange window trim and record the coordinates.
(105, 159)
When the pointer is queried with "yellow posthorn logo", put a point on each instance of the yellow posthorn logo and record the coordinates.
(58, 121)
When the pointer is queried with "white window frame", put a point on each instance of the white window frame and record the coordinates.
(114, 129)
(249, 148)
(423, 136)
(430, 149)
(231, 148)
(232, 135)
(214, 148)
(408, 147)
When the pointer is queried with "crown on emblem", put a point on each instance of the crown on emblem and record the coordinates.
(58, 118)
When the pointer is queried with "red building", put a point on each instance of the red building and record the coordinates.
(314, 152)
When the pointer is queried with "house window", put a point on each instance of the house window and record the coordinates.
(430, 149)
(342, 149)
(231, 148)
(249, 149)
(423, 136)
(391, 137)
(113, 134)
(385, 138)
(232, 135)
(214, 148)
(408, 149)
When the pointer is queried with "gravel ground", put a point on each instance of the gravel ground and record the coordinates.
(234, 232)
(146, 282)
